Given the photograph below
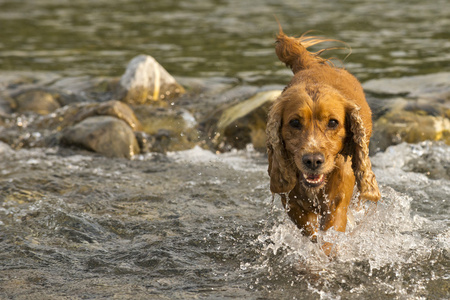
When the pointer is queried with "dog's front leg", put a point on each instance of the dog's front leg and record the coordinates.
(306, 221)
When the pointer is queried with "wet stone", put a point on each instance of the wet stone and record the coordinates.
(37, 101)
(412, 121)
(84, 89)
(119, 110)
(6, 104)
(15, 82)
(146, 81)
(103, 134)
(244, 123)
(167, 129)
(75, 113)
(424, 86)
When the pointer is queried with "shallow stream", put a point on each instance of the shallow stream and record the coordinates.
(198, 225)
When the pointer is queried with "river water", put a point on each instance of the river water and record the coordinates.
(199, 225)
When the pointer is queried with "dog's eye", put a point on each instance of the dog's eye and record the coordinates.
(333, 123)
(295, 123)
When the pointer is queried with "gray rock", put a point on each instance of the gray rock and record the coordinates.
(103, 134)
(6, 104)
(37, 101)
(435, 86)
(75, 113)
(84, 89)
(146, 81)
(16, 81)
(5, 149)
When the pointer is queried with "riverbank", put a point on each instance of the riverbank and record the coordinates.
(45, 109)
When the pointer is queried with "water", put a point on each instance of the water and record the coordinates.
(217, 38)
(195, 224)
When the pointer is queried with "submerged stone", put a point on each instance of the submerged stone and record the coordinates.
(37, 101)
(146, 81)
(103, 134)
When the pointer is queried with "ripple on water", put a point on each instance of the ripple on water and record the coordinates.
(392, 248)
(193, 224)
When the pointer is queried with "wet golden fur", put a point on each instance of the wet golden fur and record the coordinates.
(318, 135)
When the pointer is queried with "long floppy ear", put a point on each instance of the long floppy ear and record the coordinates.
(357, 146)
(281, 169)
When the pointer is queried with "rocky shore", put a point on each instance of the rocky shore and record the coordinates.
(147, 110)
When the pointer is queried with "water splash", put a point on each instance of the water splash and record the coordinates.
(393, 248)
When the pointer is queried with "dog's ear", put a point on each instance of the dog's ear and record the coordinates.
(357, 147)
(281, 169)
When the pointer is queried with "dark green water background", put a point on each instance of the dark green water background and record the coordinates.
(224, 38)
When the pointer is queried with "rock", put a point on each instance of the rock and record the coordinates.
(145, 80)
(119, 110)
(5, 149)
(66, 90)
(84, 89)
(15, 81)
(171, 129)
(103, 134)
(241, 124)
(145, 141)
(422, 114)
(75, 113)
(49, 130)
(6, 105)
(435, 86)
(412, 121)
(37, 101)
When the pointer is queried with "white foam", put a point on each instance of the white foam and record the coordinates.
(194, 155)
(387, 234)
(242, 160)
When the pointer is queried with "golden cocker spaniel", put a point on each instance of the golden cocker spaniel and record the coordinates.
(318, 134)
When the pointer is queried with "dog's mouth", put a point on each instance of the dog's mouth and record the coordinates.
(313, 180)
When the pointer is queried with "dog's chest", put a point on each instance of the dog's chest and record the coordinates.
(311, 201)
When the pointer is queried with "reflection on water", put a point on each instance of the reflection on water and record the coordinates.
(208, 38)
(196, 224)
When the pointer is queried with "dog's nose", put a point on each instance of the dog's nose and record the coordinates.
(313, 161)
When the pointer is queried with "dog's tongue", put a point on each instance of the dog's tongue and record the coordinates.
(313, 177)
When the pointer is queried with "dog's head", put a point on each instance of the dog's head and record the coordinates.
(308, 127)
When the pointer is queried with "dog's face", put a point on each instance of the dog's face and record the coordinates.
(314, 130)
(307, 128)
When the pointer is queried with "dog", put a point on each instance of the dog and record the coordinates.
(318, 133)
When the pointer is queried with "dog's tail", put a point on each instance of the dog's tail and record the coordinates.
(292, 51)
